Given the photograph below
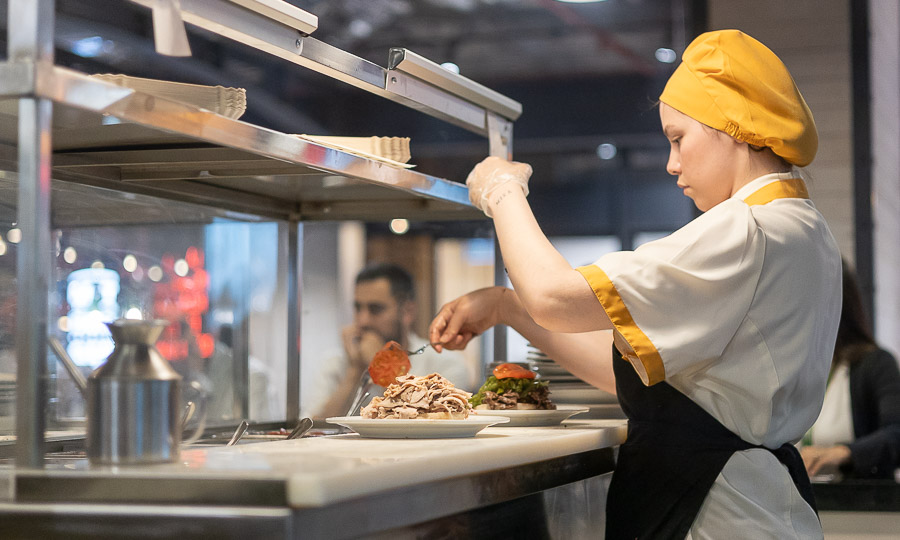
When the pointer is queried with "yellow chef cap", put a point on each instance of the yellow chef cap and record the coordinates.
(733, 83)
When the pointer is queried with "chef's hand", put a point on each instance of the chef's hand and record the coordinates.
(464, 318)
(361, 346)
(824, 458)
(492, 173)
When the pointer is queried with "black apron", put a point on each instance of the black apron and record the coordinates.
(673, 454)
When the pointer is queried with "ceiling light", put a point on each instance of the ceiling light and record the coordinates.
(450, 66)
(606, 151)
(91, 47)
(399, 226)
(129, 263)
(181, 268)
(666, 56)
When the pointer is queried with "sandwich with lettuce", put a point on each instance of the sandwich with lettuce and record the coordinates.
(511, 386)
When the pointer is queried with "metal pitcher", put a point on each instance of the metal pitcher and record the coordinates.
(133, 400)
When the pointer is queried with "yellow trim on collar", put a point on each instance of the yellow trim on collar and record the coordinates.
(792, 188)
(618, 313)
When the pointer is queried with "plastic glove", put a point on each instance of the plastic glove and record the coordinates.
(492, 173)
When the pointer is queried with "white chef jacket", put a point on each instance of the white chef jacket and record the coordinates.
(738, 310)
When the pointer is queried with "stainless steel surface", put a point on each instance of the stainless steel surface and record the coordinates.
(425, 97)
(280, 10)
(133, 406)
(304, 425)
(154, 150)
(291, 230)
(30, 41)
(226, 19)
(74, 371)
(238, 433)
(499, 136)
(420, 67)
(234, 500)
(64, 521)
(500, 332)
(240, 376)
(52, 111)
(552, 509)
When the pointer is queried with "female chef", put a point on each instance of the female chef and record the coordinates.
(723, 331)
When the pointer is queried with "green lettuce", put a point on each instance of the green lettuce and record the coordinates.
(523, 387)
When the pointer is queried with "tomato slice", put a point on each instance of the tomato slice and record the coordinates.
(512, 371)
(389, 363)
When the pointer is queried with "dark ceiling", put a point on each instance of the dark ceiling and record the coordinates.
(586, 74)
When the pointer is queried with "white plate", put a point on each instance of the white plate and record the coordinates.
(394, 428)
(534, 417)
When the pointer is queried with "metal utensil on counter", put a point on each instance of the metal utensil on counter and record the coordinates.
(363, 390)
(304, 425)
(238, 433)
(189, 411)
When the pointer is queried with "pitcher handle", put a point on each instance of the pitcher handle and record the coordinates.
(195, 407)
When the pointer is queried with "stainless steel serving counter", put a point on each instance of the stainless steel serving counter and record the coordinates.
(340, 486)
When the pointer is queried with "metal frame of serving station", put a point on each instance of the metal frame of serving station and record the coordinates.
(65, 125)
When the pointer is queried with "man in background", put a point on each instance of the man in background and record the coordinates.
(384, 309)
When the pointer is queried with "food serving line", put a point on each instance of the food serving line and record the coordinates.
(335, 486)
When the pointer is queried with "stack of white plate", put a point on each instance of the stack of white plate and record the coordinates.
(7, 400)
(564, 386)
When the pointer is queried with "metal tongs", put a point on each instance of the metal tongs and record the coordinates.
(363, 390)
(420, 350)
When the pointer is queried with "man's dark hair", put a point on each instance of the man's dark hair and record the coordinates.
(400, 280)
(854, 335)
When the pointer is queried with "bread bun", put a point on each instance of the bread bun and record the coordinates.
(519, 407)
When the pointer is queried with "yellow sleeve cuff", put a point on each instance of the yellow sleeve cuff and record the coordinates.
(651, 367)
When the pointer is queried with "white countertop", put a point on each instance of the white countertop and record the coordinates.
(319, 471)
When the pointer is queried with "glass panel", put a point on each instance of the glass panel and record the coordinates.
(444, 260)
(210, 273)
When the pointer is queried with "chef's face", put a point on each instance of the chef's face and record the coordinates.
(703, 159)
(376, 310)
